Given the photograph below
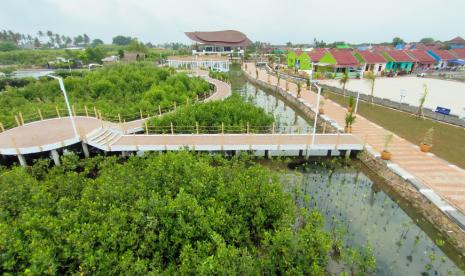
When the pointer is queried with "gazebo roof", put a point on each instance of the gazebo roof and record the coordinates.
(220, 38)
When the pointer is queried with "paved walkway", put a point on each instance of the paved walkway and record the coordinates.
(55, 133)
(445, 179)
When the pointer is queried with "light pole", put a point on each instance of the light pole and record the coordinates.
(62, 87)
(316, 112)
(356, 103)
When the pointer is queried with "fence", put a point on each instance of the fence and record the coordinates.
(50, 112)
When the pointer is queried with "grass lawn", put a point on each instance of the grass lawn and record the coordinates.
(448, 140)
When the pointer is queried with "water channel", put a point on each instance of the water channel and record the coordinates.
(360, 204)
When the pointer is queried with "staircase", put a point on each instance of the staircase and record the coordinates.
(103, 138)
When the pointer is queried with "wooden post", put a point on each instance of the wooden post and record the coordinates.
(222, 128)
(95, 111)
(40, 114)
(17, 121)
(159, 110)
(74, 110)
(87, 111)
(337, 140)
(141, 114)
(248, 128)
(197, 127)
(273, 128)
(324, 127)
(146, 128)
(100, 114)
(21, 118)
(58, 111)
(1, 127)
(172, 128)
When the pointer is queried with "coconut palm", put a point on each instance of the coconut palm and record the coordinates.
(422, 100)
(371, 78)
(344, 80)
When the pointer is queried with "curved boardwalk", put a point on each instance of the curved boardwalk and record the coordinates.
(445, 179)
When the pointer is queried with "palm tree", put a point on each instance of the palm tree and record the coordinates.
(371, 78)
(344, 79)
(422, 100)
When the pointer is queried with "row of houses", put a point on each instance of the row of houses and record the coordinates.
(381, 62)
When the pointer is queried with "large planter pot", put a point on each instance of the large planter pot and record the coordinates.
(321, 110)
(386, 155)
(425, 147)
(348, 129)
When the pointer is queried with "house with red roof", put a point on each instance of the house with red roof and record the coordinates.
(339, 62)
(423, 61)
(371, 61)
(443, 58)
(398, 62)
(302, 60)
(459, 53)
(456, 43)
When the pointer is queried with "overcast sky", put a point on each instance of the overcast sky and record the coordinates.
(275, 21)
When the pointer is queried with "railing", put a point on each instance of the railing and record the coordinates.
(22, 118)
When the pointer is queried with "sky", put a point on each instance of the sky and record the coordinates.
(274, 21)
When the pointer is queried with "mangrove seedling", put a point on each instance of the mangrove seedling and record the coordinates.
(350, 119)
(422, 101)
(371, 78)
(351, 105)
(344, 80)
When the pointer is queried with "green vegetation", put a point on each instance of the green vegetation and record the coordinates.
(448, 139)
(234, 113)
(164, 214)
(119, 89)
(222, 76)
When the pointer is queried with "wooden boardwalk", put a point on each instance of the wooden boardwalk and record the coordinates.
(445, 179)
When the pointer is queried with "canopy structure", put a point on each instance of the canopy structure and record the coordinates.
(458, 61)
(229, 38)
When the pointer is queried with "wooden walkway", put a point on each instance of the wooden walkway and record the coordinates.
(445, 179)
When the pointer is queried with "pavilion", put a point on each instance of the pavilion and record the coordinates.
(229, 42)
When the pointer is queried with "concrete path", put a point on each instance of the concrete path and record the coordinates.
(445, 179)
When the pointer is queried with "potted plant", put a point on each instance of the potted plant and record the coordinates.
(386, 154)
(321, 109)
(350, 119)
(427, 142)
(350, 108)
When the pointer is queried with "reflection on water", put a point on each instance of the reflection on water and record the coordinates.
(349, 198)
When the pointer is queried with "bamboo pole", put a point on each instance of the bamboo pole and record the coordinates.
(95, 111)
(87, 111)
(21, 118)
(58, 111)
(17, 120)
(40, 114)
(119, 118)
(248, 128)
(146, 128)
(172, 128)
(1, 127)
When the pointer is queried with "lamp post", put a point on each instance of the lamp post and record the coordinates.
(316, 112)
(356, 102)
(62, 87)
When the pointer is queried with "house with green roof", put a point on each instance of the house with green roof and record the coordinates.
(337, 62)
(299, 60)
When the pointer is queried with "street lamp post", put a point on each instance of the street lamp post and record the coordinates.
(316, 113)
(62, 87)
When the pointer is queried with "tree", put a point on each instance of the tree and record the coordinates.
(422, 101)
(122, 40)
(371, 78)
(289, 44)
(86, 39)
(78, 40)
(37, 43)
(427, 40)
(136, 46)
(343, 81)
(96, 42)
(397, 40)
(94, 54)
(7, 46)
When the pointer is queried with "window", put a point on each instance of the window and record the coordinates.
(380, 67)
(227, 49)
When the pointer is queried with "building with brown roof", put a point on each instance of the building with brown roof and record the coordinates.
(226, 42)
(442, 57)
(422, 60)
(456, 43)
(372, 61)
(133, 56)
